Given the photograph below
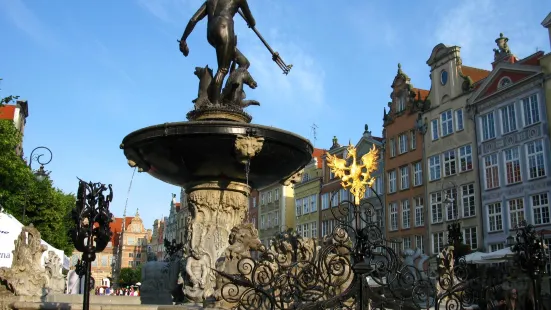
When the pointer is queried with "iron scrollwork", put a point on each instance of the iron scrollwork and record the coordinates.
(91, 233)
(354, 261)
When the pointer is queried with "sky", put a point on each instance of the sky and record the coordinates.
(94, 71)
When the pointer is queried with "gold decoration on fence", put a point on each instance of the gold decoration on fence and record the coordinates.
(354, 176)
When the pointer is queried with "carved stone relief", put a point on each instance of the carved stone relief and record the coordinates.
(512, 139)
(215, 209)
(56, 281)
(247, 147)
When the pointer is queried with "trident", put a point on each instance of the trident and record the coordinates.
(275, 55)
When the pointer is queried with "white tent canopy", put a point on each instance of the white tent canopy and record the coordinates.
(502, 254)
(10, 228)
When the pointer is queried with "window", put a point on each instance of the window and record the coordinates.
(491, 171)
(269, 218)
(254, 202)
(435, 132)
(305, 206)
(469, 235)
(276, 218)
(536, 162)
(438, 242)
(495, 219)
(298, 206)
(512, 165)
(379, 218)
(306, 231)
(419, 243)
(270, 197)
(395, 245)
(496, 247)
(436, 207)
(417, 174)
(403, 143)
(344, 194)
(449, 163)
(331, 175)
(488, 127)
(465, 158)
(392, 148)
(131, 255)
(419, 212)
(406, 214)
(138, 255)
(393, 216)
(379, 185)
(276, 194)
(305, 177)
(450, 199)
(459, 120)
(313, 203)
(262, 221)
(531, 110)
(516, 212)
(262, 198)
(406, 243)
(314, 229)
(404, 177)
(392, 181)
(434, 167)
(325, 201)
(401, 104)
(467, 195)
(413, 140)
(504, 82)
(334, 199)
(540, 208)
(508, 119)
(446, 120)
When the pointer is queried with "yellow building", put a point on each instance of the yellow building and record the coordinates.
(307, 198)
(276, 210)
(545, 62)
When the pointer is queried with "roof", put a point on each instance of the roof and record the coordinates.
(116, 228)
(317, 154)
(379, 138)
(177, 206)
(547, 21)
(475, 74)
(421, 94)
(7, 112)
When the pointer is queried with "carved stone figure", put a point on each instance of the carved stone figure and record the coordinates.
(198, 272)
(73, 281)
(205, 78)
(159, 280)
(26, 277)
(294, 179)
(220, 34)
(242, 240)
(233, 93)
(215, 208)
(502, 49)
(56, 281)
(247, 147)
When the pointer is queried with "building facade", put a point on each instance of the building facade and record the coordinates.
(134, 243)
(453, 187)
(276, 210)
(332, 193)
(253, 208)
(172, 224)
(404, 192)
(307, 197)
(513, 141)
(374, 198)
(156, 245)
(545, 63)
(18, 113)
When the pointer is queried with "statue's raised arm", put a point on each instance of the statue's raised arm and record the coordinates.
(199, 15)
(247, 13)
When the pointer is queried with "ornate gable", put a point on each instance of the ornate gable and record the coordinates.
(405, 98)
(504, 76)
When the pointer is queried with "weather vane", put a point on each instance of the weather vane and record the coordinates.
(354, 176)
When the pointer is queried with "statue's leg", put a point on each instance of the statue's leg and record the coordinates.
(241, 60)
(224, 53)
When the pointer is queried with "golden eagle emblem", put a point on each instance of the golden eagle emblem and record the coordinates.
(355, 176)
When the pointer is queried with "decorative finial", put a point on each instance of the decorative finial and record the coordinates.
(399, 68)
(366, 128)
(335, 143)
(353, 176)
(137, 212)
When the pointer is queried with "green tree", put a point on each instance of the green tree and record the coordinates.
(130, 276)
(46, 207)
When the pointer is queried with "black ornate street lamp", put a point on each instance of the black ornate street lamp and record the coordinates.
(91, 233)
(530, 256)
(41, 174)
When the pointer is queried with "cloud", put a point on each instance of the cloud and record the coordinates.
(26, 21)
(474, 25)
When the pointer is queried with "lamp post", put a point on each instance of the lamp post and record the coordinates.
(41, 174)
(91, 233)
(530, 256)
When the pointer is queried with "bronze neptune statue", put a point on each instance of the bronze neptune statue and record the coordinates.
(220, 34)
